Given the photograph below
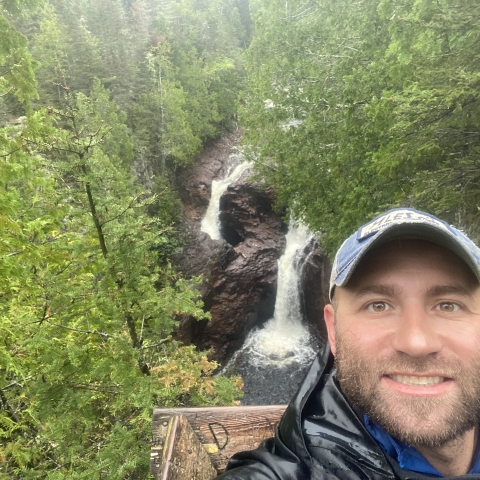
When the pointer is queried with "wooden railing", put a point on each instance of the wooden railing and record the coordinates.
(196, 443)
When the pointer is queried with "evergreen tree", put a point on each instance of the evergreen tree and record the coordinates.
(87, 306)
(108, 22)
(186, 86)
(159, 119)
(17, 66)
(88, 298)
(141, 28)
(354, 107)
(65, 45)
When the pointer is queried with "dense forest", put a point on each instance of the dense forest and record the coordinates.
(348, 107)
(100, 102)
(365, 105)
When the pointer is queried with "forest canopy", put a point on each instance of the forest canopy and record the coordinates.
(100, 102)
(357, 106)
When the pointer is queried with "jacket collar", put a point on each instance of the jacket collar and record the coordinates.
(320, 413)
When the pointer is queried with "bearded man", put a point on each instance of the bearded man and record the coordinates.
(396, 392)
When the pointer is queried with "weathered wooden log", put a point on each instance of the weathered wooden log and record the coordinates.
(196, 443)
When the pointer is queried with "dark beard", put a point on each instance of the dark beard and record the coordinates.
(360, 381)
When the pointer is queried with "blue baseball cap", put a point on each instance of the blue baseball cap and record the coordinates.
(401, 223)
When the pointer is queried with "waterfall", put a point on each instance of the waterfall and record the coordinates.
(284, 339)
(275, 356)
(211, 223)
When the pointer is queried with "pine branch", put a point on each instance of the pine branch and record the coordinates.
(6, 93)
(93, 389)
(16, 383)
(7, 71)
(89, 332)
(8, 408)
(130, 205)
(6, 155)
(153, 345)
(46, 242)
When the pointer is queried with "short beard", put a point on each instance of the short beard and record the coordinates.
(360, 381)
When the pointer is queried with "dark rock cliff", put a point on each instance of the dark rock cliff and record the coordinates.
(314, 291)
(240, 272)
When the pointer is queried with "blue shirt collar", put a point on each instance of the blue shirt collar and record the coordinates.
(407, 457)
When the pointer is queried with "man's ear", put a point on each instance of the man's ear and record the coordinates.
(329, 315)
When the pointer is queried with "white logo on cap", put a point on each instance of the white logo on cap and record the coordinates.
(397, 217)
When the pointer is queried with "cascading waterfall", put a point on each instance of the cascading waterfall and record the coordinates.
(210, 223)
(283, 339)
(275, 356)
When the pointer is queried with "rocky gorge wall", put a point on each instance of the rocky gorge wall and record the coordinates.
(240, 271)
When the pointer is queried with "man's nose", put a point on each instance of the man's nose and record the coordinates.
(416, 332)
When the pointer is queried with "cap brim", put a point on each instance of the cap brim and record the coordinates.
(410, 231)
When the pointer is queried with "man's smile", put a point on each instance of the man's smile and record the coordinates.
(418, 385)
(417, 380)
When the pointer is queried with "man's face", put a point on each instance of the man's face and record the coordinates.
(406, 336)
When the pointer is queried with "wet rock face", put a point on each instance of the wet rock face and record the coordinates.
(247, 217)
(245, 290)
(239, 277)
(239, 272)
(314, 291)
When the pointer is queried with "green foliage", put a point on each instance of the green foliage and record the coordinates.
(17, 7)
(17, 65)
(354, 107)
(88, 297)
(106, 22)
(189, 80)
(86, 307)
(64, 47)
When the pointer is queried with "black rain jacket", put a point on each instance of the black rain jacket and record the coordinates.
(320, 437)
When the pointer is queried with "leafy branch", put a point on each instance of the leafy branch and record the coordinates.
(12, 413)
(6, 155)
(79, 330)
(7, 71)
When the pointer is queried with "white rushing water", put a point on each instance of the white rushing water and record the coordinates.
(211, 223)
(283, 339)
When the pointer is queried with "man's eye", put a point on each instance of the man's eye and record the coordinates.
(378, 307)
(448, 307)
